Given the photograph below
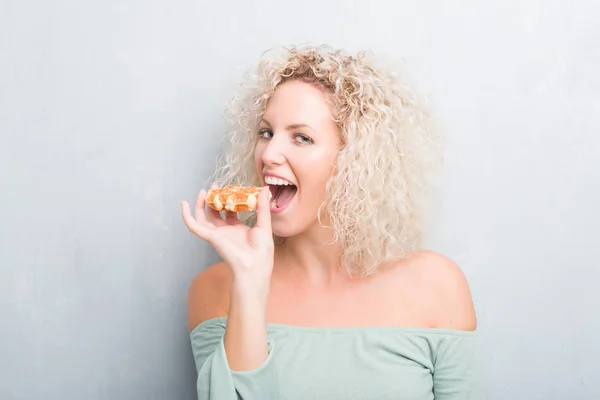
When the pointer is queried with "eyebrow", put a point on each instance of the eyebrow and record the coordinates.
(291, 127)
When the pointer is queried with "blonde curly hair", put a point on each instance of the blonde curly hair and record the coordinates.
(388, 146)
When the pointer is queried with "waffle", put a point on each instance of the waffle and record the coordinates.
(235, 198)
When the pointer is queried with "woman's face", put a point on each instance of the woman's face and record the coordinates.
(296, 154)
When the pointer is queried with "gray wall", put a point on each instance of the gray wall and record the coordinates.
(109, 115)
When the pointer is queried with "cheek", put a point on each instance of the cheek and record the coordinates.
(322, 165)
(316, 171)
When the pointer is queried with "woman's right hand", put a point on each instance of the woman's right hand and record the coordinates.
(247, 251)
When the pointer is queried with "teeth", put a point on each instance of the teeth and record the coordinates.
(274, 204)
(276, 181)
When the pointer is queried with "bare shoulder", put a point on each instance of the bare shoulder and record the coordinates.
(445, 290)
(208, 295)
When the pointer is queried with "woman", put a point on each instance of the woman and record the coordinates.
(325, 292)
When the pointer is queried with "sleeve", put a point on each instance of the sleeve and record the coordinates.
(457, 369)
(216, 381)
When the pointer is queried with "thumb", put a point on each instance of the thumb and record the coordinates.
(263, 211)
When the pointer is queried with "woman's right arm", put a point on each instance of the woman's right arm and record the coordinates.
(237, 363)
(246, 333)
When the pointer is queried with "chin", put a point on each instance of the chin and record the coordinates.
(289, 227)
(284, 230)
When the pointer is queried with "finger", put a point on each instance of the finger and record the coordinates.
(199, 229)
(231, 218)
(214, 217)
(263, 211)
(199, 213)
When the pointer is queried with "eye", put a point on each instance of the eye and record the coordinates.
(265, 133)
(303, 139)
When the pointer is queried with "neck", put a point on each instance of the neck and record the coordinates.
(312, 255)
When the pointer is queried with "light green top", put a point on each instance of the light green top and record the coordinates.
(307, 363)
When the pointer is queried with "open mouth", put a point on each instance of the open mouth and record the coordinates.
(282, 195)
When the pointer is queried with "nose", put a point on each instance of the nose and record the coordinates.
(274, 151)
